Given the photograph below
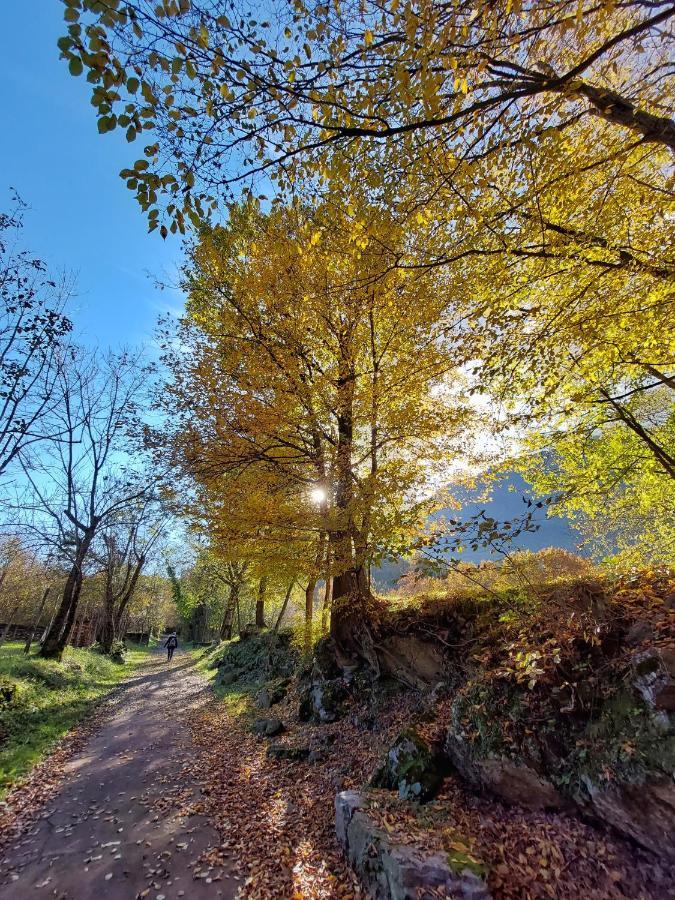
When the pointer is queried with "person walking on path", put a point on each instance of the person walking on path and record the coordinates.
(171, 643)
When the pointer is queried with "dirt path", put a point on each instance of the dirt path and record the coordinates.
(127, 819)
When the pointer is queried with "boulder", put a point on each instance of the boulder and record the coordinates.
(346, 804)
(518, 783)
(391, 871)
(654, 677)
(644, 812)
(267, 727)
(411, 767)
(513, 781)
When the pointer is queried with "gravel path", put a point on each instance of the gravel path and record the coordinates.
(127, 821)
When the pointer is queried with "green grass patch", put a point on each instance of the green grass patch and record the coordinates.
(41, 700)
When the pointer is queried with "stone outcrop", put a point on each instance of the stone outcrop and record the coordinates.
(419, 664)
(512, 781)
(643, 812)
(654, 678)
(391, 871)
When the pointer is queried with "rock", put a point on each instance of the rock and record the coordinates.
(316, 755)
(411, 767)
(272, 693)
(323, 701)
(512, 781)
(654, 677)
(365, 722)
(518, 783)
(267, 727)
(643, 812)
(346, 804)
(406, 657)
(284, 751)
(263, 700)
(391, 871)
(408, 870)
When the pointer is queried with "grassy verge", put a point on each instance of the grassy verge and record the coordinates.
(41, 700)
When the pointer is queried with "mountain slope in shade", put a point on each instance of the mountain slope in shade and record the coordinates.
(506, 502)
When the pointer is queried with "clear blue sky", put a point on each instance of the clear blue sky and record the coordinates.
(82, 218)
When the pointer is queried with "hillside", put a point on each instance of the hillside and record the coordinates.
(507, 500)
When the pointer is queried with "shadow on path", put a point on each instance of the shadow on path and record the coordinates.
(126, 821)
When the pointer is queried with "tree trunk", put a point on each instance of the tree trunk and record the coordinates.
(282, 611)
(58, 635)
(309, 613)
(106, 630)
(59, 630)
(36, 620)
(119, 614)
(228, 614)
(260, 603)
(327, 597)
(350, 608)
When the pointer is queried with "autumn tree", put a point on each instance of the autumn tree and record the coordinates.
(312, 382)
(81, 475)
(126, 544)
(526, 148)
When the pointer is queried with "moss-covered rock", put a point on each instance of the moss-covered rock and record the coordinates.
(401, 871)
(258, 658)
(323, 701)
(273, 692)
(411, 767)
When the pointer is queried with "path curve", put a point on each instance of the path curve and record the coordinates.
(127, 821)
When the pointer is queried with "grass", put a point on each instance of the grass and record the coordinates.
(49, 698)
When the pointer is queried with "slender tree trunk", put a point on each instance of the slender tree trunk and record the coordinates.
(260, 603)
(327, 596)
(309, 613)
(228, 614)
(36, 620)
(282, 611)
(72, 613)
(105, 633)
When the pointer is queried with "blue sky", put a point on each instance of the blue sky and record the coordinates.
(82, 219)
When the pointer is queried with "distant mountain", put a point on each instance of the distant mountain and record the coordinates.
(507, 501)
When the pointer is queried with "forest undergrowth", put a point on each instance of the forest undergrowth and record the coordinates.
(284, 789)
